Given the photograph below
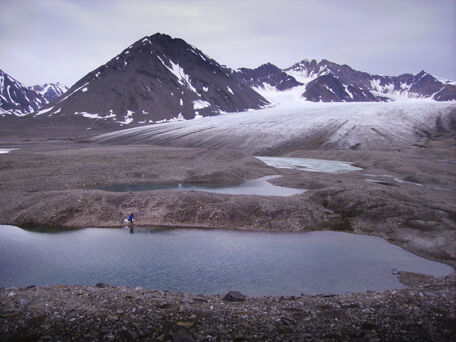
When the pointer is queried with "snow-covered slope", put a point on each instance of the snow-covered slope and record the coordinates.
(325, 81)
(17, 99)
(368, 125)
(50, 91)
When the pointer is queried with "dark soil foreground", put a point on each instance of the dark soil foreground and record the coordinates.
(103, 313)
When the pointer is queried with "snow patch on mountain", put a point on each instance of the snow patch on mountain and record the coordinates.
(94, 116)
(44, 111)
(200, 104)
(180, 117)
(289, 97)
(302, 74)
(180, 74)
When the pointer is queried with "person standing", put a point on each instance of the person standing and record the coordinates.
(130, 220)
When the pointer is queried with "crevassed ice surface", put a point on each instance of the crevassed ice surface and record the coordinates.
(259, 186)
(340, 125)
(309, 164)
(208, 261)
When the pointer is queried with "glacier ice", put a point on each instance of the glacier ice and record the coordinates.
(366, 125)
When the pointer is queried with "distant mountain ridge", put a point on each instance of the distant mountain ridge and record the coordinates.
(157, 79)
(325, 81)
(50, 91)
(17, 99)
(270, 74)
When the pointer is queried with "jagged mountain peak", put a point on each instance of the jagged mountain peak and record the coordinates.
(17, 99)
(162, 43)
(267, 74)
(324, 80)
(268, 65)
(50, 91)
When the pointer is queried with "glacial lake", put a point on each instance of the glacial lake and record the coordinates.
(259, 186)
(207, 261)
(309, 164)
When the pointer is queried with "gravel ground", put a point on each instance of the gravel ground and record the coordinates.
(425, 312)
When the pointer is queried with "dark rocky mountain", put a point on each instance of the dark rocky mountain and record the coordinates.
(50, 91)
(158, 78)
(327, 81)
(328, 88)
(16, 99)
(269, 74)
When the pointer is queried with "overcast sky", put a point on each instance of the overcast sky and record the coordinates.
(62, 40)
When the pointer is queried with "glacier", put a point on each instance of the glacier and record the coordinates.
(288, 125)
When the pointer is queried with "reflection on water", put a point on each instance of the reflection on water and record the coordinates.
(259, 186)
(211, 262)
(309, 164)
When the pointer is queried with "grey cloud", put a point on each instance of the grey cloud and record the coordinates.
(50, 40)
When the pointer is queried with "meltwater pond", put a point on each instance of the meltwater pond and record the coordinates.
(259, 186)
(309, 164)
(207, 261)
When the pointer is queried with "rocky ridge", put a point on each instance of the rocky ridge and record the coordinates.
(50, 91)
(326, 81)
(269, 74)
(17, 99)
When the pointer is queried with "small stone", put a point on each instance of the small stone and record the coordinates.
(23, 302)
(234, 296)
(101, 285)
(239, 337)
(328, 295)
(242, 313)
(198, 299)
(374, 339)
(187, 325)
(182, 336)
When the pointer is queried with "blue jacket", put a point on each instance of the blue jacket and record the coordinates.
(131, 217)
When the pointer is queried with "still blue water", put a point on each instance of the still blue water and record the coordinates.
(259, 186)
(207, 261)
